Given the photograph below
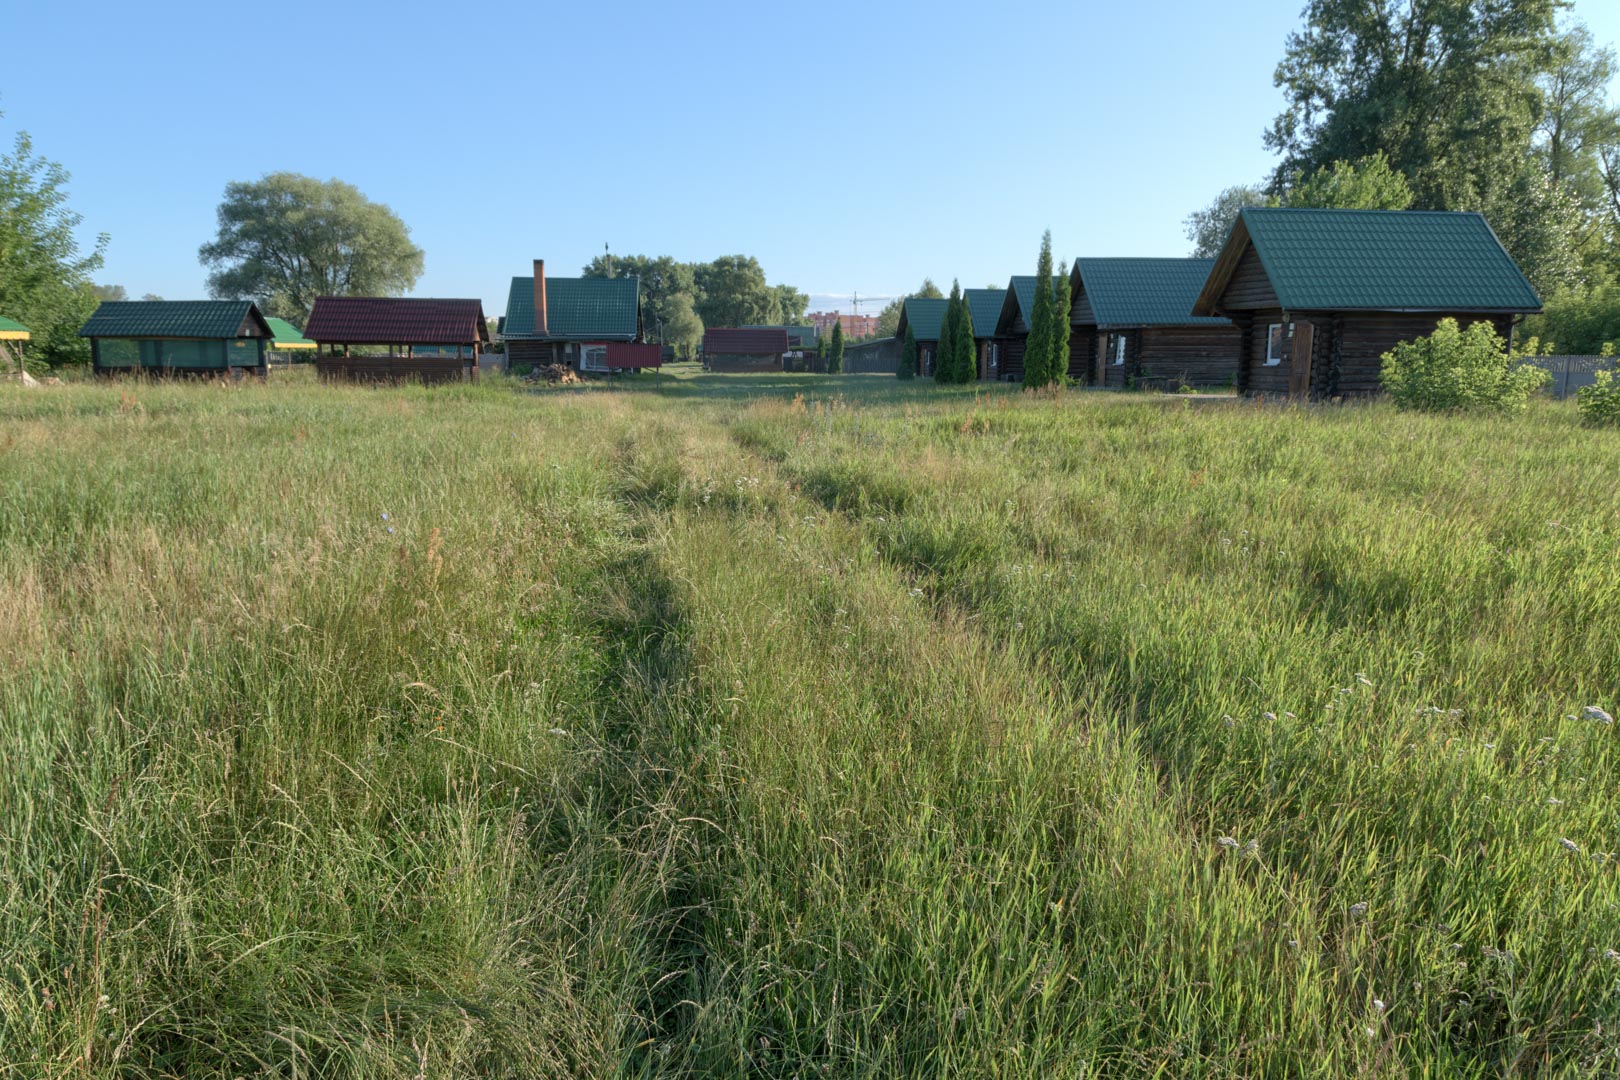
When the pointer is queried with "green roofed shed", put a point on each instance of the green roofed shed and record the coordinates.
(288, 338)
(1321, 295)
(170, 336)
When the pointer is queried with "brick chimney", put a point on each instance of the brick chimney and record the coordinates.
(541, 325)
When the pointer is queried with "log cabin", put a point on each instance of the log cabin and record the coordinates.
(571, 322)
(178, 337)
(421, 339)
(984, 308)
(1012, 327)
(1132, 326)
(924, 315)
(1319, 296)
(733, 348)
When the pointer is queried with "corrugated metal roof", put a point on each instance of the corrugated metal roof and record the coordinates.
(1387, 260)
(1023, 287)
(984, 306)
(287, 335)
(12, 330)
(1145, 292)
(210, 319)
(396, 320)
(740, 341)
(577, 309)
(924, 315)
(806, 334)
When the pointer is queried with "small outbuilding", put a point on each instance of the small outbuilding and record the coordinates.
(174, 337)
(1319, 296)
(1132, 325)
(581, 323)
(740, 349)
(12, 336)
(923, 316)
(399, 339)
(984, 308)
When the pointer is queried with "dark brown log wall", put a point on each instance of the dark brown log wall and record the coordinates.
(1012, 358)
(1249, 288)
(1197, 356)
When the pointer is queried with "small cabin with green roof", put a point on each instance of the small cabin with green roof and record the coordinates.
(1132, 324)
(582, 323)
(1319, 296)
(923, 316)
(1012, 327)
(984, 309)
(194, 337)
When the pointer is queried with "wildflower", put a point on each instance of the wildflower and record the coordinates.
(1371, 1034)
(1554, 801)
(1293, 943)
(1592, 712)
(1252, 849)
(1361, 677)
(558, 731)
(916, 592)
(1228, 842)
(1569, 845)
(1378, 1004)
(1270, 716)
(1610, 954)
(1358, 910)
(1227, 720)
(385, 515)
(390, 530)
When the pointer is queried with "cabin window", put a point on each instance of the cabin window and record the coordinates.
(1279, 342)
(593, 358)
(1116, 349)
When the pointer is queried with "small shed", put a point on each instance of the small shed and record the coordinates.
(572, 322)
(1132, 324)
(288, 340)
(400, 339)
(984, 308)
(924, 316)
(1012, 327)
(178, 337)
(12, 336)
(1319, 296)
(736, 348)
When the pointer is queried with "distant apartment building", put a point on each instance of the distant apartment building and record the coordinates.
(855, 326)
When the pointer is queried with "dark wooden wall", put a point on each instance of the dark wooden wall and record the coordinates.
(1012, 358)
(1199, 356)
(1249, 288)
(743, 362)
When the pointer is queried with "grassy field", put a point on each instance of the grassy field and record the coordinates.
(802, 726)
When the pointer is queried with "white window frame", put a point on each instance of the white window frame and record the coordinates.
(1276, 361)
(589, 349)
(1119, 350)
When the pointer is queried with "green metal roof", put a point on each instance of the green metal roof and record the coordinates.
(170, 319)
(12, 326)
(1145, 292)
(287, 335)
(924, 315)
(1387, 260)
(984, 306)
(1023, 287)
(577, 309)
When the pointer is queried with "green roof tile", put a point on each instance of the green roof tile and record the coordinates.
(577, 309)
(1145, 292)
(170, 319)
(287, 335)
(1023, 287)
(924, 315)
(984, 306)
(1386, 260)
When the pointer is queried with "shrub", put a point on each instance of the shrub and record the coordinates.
(1600, 402)
(1456, 370)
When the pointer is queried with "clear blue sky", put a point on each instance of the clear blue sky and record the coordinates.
(847, 146)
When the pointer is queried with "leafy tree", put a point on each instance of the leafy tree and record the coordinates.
(1060, 325)
(1578, 321)
(787, 306)
(1577, 118)
(44, 277)
(681, 326)
(1366, 184)
(1541, 225)
(1209, 227)
(1039, 369)
(835, 352)
(888, 323)
(1446, 87)
(731, 291)
(908, 355)
(945, 348)
(1456, 370)
(151, 297)
(285, 239)
(110, 293)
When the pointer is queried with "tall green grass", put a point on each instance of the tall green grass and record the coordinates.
(802, 726)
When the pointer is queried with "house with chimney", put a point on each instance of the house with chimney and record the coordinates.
(586, 324)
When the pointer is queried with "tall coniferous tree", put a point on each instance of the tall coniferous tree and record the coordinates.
(945, 349)
(835, 355)
(967, 365)
(1060, 325)
(1038, 349)
(908, 355)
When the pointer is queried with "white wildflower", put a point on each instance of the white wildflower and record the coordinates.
(1252, 849)
(1569, 845)
(1378, 1004)
(558, 731)
(1592, 712)
(1361, 677)
(1358, 910)
(1553, 800)
(1270, 716)
(1228, 842)
(1610, 954)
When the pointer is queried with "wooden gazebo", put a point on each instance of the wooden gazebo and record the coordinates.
(12, 336)
(395, 339)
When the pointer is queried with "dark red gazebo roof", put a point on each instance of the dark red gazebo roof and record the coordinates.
(394, 320)
(731, 341)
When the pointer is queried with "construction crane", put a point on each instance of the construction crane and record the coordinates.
(856, 300)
